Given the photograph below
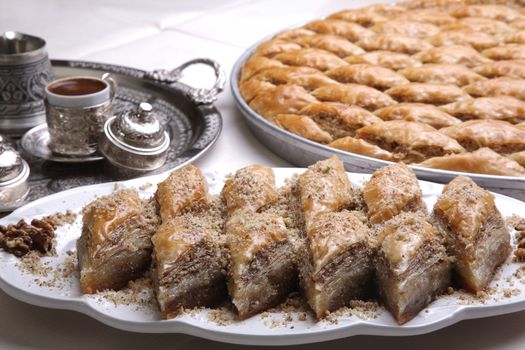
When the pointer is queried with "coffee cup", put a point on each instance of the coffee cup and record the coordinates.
(76, 111)
(25, 70)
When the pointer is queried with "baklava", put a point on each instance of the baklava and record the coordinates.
(481, 161)
(412, 266)
(115, 245)
(261, 271)
(390, 191)
(435, 63)
(474, 232)
(188, 255)
(335, 263)
(410, 141)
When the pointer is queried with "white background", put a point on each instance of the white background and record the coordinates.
(164, 34)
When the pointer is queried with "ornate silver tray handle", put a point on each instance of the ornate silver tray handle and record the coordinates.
(200, 96)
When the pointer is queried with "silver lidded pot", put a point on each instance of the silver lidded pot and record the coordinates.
(135, 140)
(14, 172)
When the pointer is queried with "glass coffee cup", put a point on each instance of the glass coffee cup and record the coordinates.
(76, 110)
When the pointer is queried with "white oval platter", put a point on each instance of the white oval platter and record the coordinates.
(257, 330)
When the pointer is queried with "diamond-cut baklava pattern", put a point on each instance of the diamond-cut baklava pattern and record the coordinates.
(413, 68)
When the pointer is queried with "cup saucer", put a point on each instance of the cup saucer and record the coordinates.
(36, 143)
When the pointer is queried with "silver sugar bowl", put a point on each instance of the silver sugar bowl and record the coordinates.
(135, 140)
(14, 172)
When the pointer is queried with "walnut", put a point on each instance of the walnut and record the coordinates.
(520, 250)
(21, 238)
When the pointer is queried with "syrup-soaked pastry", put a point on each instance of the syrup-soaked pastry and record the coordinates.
(115, 245)
(183, 189)
(396, 43)
(498, 135)
(478, 40)
(251, 88)
(282, 99)
(500, 108)
(409, 28)
(369, 15)
(519, 157)
(427, 93)
(353, 145)
(335, 266)
(354, 94)
(497, 12)
(188, 254)
(256, 64)
(411, 141)
(453, 54)
(474, 231)
(348, 30)
(481, 161)
(332, 43)
(417, 112)
(262, 265)
(506, 52)
(515, 37)
(521, 125)
(295, 33)
(304, 126)
(339, 119)
(518, 24)
(392, 190)
(427, 15)
(387, 59)
(308, 78)
(480, 24)
(324, 188)
(454, 74)
(412, 266)
(510, 68)
(498, 87)
(275, 46)
(366, 74)
(314, 58)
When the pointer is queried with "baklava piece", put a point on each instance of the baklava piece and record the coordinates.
(261, 271)
(505, 108)
(410, 141)
(417, 112)
(362, 147)
(115, 245)
(392, 190)
(335, 264)
(412, 266)
(481, 161)
(474, 231)
(498, 135)
(324, 188)
(188, 254)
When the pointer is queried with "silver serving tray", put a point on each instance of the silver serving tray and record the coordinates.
(303, 152)
(193, 123)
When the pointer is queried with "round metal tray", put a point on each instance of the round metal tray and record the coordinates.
(303, 152)
(193, 124)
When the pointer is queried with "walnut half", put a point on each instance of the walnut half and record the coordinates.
(21, 238)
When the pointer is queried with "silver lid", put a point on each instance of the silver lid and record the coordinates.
(139, 128)
(11, 164)
(135, 141)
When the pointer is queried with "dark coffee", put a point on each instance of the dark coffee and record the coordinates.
(77, 86)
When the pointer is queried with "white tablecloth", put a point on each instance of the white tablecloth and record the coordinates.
(163, 34)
